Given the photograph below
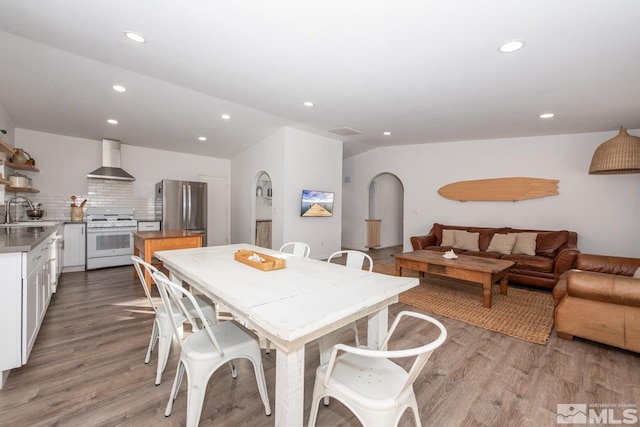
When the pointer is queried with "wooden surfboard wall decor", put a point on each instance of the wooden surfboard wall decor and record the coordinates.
(500, 189)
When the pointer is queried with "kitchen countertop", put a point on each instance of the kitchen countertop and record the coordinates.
(25, 238)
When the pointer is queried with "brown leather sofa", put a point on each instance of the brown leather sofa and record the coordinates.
(600, 301)
(555, 252)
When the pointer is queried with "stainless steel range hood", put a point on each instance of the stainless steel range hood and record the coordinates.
(111, 163)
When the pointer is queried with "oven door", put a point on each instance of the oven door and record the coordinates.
(112, 247)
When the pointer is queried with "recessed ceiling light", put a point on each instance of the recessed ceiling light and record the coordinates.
(511, 46)
(112, 121)
(546, 115)
(225, 117)
(202, 138)
(387, 133)
(135, 37)
(308, 104)
(119, 88)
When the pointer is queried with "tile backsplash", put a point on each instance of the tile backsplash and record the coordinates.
(101, 192)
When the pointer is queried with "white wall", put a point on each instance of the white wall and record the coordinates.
(602, 209)
(265, 156)
(6, 124)
(294, 160)
(64, 162)
(312, 162)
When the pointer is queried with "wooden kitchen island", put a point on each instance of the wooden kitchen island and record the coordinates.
(148, 242)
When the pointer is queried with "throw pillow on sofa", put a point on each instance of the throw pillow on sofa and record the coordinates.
(525, 243)
(448, 237)
(636, 275)
(466, 241)
(502, 243)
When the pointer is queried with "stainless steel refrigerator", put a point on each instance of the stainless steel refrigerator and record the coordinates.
(182, 205)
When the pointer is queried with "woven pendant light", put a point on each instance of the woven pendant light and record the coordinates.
(620, 154)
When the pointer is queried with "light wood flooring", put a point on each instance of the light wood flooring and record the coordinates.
(87, 369)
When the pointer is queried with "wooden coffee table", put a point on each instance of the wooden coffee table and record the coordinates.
(485, 271)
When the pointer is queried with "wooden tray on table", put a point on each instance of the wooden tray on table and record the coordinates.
(269, 263)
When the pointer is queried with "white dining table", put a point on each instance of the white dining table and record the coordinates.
(291, 306)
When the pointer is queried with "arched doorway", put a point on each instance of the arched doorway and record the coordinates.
(386, 211)
(263, 194)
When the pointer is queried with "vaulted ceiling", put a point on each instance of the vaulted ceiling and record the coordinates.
(425, 71)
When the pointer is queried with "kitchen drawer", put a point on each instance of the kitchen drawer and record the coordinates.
(148, 225)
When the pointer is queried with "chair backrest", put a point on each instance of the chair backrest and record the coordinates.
(421, 353)
(355, 259)
(296, 248)
(139, 264)
(173, 298)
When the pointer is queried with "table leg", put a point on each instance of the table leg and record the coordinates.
(504, 283)
(136, 252)
(289, 387)
(147, 258)
(377, 328)
(486, 291)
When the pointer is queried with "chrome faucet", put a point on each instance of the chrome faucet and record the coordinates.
(7, 208)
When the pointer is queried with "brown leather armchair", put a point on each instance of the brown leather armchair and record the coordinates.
(600, 301)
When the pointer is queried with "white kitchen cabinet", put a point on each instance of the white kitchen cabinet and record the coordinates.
(148, 225)
(56, 255)
(75, 247)
(35, 296)
(30, 313)
(44, 281)
(11, 312)
(25, 295)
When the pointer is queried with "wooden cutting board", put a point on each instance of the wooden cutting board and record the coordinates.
(500, 189)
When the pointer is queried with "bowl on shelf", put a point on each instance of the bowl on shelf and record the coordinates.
(35, 213)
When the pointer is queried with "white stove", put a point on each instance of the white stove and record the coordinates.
(110, 236)
(111, 218)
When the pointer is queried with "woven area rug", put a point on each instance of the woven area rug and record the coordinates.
(522, 314)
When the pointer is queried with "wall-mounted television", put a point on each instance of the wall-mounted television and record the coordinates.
(316, 203)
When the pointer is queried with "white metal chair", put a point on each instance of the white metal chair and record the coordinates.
(162, 330)
(204, 351)
(370, 383)
(296, 248)
(355, 259)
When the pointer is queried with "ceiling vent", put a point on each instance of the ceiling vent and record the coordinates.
(345, 131)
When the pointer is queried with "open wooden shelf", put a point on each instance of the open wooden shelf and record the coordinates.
(16, 166)
(21, 189)
(21, 166)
